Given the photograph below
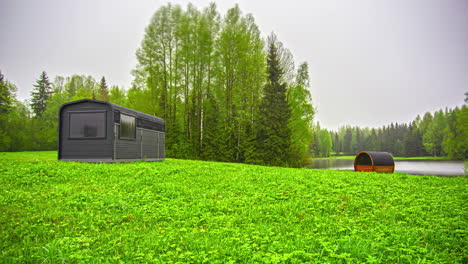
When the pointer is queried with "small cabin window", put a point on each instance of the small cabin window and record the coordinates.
(127, 127)
(87, 125)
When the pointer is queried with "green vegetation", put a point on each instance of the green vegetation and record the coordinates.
(210, 76)
(40, 95)
(442, 134)
(226, 94)
(29, 156)
(206, 212)
(273, 131)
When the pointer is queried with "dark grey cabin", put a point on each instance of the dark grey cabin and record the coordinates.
(97, 131)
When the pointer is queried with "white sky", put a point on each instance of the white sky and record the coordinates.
(371, 62)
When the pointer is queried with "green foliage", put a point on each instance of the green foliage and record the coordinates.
(180, 211)
(103, 92)
(19, 131)
(441, 134)
(325, 143)
(15, 129)
(434, 134)
(13, 119)
(40, 95)
(274, 134)
(204, 76)
(117, 96)
(302, 115)
(412, 141)
(7, 94)
(207, 76)
(455, 143)
(212, 140)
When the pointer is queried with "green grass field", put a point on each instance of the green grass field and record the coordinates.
(181, 211)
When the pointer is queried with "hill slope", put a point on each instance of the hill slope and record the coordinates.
(196, 211)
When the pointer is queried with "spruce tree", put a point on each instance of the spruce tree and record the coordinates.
(103, 90)
(212, 138)
(41, 94)
(274, 135)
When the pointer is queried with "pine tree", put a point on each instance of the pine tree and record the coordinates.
(41, 94)
(274, 135)
(212, 137)
(103, 93)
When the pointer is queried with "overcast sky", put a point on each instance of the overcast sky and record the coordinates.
(371, 62)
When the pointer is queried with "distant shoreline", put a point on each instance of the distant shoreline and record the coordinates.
(396, 158)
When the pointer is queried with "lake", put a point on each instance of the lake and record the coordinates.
(417, 167)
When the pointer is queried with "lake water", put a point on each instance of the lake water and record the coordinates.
(418, 167)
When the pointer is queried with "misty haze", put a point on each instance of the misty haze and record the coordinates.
(233, 131)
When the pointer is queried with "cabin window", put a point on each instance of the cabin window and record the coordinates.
(87, 125)
(127, 127)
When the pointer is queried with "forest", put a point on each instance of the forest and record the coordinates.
(441, 134)
(226, 94)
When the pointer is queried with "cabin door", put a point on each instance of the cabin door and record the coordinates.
(149, 144)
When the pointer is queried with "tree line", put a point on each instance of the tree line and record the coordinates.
(226, 94)
(443, 133)
(33, 124)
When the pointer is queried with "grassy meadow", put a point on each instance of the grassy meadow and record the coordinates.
(181, 211)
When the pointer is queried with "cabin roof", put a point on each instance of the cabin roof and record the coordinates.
(119, 108)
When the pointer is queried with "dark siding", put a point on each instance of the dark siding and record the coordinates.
(381, 158)
(85, 148)
(150, 125)
(150, 144)
(128, 149)
(162, 143)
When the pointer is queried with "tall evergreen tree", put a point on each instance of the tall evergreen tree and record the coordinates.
(372, 142)
(103, 90)
(274, 134)
(40, 95)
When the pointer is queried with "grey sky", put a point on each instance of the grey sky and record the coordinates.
(371, 62)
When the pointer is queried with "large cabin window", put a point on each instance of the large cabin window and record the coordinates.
(87, 125)
(127, 127)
